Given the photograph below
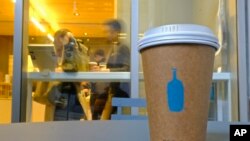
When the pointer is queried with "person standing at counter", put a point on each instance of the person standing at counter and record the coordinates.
(117, 61)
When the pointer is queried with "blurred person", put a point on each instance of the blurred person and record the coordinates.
(99, 56)
(118, 60)
(99, 89)
(72, 57)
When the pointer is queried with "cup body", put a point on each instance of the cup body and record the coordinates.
(103, 66)
(92, 65)
(178, 66)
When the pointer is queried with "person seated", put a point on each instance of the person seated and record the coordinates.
(72, 57)
(99, 57)
(99, 89)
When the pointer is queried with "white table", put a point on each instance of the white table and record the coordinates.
(109, 77)
(94, 131)
(71, 77)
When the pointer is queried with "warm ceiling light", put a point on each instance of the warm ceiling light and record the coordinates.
(38, 8)
(38, 24)
(75, 10)
(76, 13)
(219, 69)
(85, 33)
(14, 1)
(50, 37)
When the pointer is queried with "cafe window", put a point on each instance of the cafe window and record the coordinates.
(6, 59)
(78, 59)
(88, 21)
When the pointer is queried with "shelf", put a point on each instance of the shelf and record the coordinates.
(221, 76)
(81, 76)
(216, 76)
(100, 76)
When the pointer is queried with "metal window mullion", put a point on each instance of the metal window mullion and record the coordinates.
(243, 30)
(134, 53)
(20, 61)
(248, 63)
(17, 67)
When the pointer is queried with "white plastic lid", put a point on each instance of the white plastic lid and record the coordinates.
(179, 33)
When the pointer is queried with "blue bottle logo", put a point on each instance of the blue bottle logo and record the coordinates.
(175, 93)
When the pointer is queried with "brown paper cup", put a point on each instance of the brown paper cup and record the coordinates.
(92, 65)
(178, 77)
(103, 66)
(195, 72)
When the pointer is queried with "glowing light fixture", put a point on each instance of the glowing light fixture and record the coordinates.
(37, 24)
(75, 10)
(219, 69)
(50, 37)
(76, 14)
(14, 1)
(38, 9)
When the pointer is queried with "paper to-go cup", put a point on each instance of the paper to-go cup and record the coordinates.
(178, 64)
(92, 65)
(103, 66)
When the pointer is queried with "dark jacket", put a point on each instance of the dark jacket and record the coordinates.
(119, 60)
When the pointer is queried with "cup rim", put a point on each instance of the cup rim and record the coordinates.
(178, 34)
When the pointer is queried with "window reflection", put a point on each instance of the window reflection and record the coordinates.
(86, 37)
(218, 15)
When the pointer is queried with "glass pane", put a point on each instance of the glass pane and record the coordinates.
(6, 59)
(220, 16)
(82, 49)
